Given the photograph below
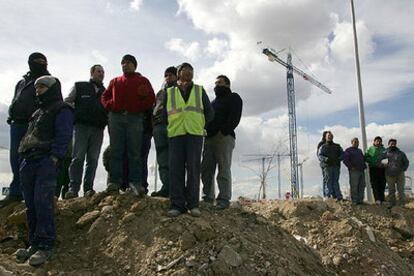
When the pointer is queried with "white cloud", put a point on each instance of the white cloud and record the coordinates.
(136, 4)
(99, 56)
(190, 50)
(217, 48)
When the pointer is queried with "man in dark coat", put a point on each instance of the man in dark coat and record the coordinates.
(220, 142)
(21, 108)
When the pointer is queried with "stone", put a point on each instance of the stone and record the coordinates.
(230, 257)
(88, 218)
(187, 240)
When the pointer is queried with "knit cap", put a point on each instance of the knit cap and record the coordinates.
(47, 81)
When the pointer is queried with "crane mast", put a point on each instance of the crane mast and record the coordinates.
(292, 112)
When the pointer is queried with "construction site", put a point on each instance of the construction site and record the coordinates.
(120, 235)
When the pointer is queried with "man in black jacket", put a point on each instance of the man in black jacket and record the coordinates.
(90, 122)
(21, 108)
(220, 142)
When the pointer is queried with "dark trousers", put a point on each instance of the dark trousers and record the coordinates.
(125, 130)
(145, 149)
(161, 146)
(185, 157)
(38, 179)
(62, 181)
(378, 182)
(17, 131)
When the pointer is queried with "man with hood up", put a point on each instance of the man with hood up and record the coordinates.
(43, 147)
(21, 108)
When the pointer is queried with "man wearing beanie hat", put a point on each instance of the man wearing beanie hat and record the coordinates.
(42, 148)
(21, 108)
(160, 131)
(126, 99)
(90, 121)
(187, 109)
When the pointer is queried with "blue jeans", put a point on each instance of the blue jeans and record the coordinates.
(38, 178)
(357, 183)
(17, 131)
(332, 182)
(161, 146)
(125, 130)
(184, 161)
(217, 152)
(87, 143)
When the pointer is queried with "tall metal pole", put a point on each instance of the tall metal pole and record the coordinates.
(292, 128)
(360, 99)
(278, 177)
(264, 182)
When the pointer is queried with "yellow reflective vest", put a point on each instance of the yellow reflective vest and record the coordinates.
(185, 117)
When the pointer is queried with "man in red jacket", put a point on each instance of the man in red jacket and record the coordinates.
(126, 99)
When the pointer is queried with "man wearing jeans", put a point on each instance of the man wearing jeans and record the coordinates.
(354, 161)
(21, 108)
(330, 155)
(90, 122)
(126, 99)
(396, 163)
(219, 144)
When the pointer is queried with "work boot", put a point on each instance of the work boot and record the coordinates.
(159, 194)
(221, 207)
(40, 257)
(23, 254)
(195, 212)
(71, 194)
(89, 193)
(137, 189)
(9, 200)
(172, 213)
(112, 187)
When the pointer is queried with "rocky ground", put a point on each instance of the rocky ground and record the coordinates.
(124, 235)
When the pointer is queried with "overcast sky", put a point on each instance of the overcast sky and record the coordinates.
(220, 37)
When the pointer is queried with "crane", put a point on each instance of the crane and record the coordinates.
(272, 56)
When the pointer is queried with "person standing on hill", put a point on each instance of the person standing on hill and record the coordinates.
(43, 148)
(396, 163)
(354, 161)
(126, 99)
(220, 142)
(160, 132)
(90, 121)
(376, 172)
(324, 181)
(188, 109)
(330, 156)
(21, 109)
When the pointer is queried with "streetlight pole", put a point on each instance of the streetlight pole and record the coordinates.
(360, 100)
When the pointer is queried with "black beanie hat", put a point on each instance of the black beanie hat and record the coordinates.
(36, 55)
(130, 58)
(171, 70)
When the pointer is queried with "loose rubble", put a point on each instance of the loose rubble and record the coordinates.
(126, 235)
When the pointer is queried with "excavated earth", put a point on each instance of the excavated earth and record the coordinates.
(125, 235)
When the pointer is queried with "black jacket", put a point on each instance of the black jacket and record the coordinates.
(40, 134)
(227, 113)
(24, 101)
(88, 107)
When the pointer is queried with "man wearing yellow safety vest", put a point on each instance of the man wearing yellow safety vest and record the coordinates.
(188, 110)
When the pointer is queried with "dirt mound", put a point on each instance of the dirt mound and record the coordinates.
(352, 240)
(124, 235)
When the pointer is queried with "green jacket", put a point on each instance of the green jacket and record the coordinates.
(372, 154)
